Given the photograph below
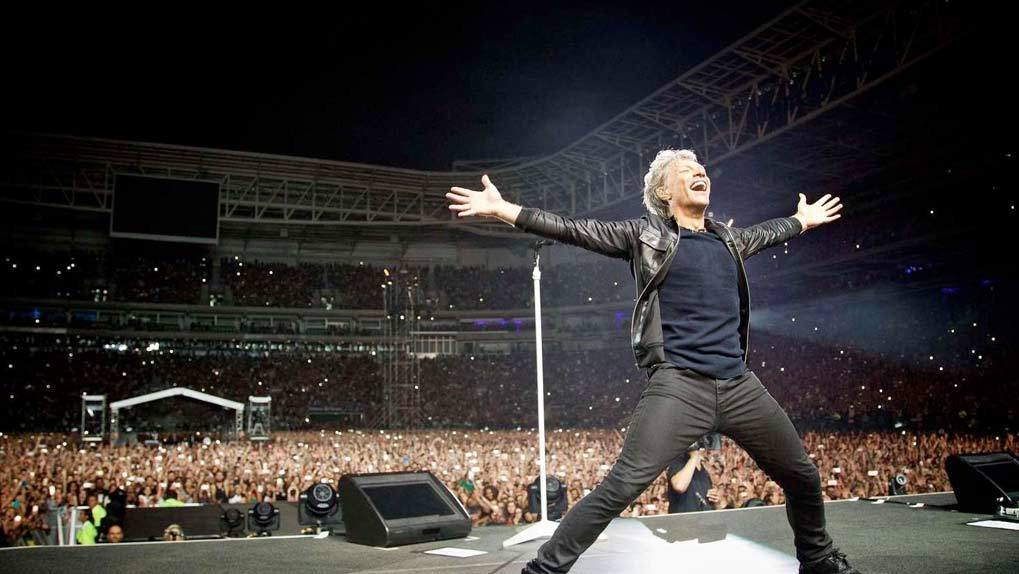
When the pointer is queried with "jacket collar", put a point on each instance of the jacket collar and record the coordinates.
(668, 224)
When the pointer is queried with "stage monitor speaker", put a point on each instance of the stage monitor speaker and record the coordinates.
(147, 524)
(393, 509)
(979, 480)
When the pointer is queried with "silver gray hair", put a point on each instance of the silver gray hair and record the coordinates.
(655, 178)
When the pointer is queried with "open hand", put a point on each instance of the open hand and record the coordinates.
(824, 210)
(468, 202)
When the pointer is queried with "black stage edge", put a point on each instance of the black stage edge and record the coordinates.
(888, 538)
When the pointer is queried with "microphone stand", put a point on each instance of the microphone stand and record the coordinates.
(544, 528)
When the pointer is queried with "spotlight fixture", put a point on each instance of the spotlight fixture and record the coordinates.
(233, 523)
(320, 506)
(897, 485)
(263, 518)
(555, 497)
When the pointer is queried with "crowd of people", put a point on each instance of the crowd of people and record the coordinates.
(258, 284)
(180, 278)
(865, 414)
(42, 475)
(864, 418)
(49, 375)
(821, 387)
(167, 279)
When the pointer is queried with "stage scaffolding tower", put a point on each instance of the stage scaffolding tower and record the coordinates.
(401, 396)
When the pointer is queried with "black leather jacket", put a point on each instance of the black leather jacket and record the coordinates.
(649, 244)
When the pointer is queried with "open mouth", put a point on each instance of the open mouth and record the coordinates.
(699, 186)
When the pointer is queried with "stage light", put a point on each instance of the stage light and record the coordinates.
(319, 506)
(233, 523)
(265, 517)
(897, 485)
(555, 497)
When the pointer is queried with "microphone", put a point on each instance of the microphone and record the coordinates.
(704, 503)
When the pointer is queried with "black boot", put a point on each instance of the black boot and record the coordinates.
(834, 563)
(532, 567)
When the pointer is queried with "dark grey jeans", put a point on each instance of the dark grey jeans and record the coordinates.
(677, 407)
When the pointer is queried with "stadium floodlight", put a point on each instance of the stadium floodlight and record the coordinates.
(263, 518)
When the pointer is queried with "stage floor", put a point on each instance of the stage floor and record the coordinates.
(887, 538)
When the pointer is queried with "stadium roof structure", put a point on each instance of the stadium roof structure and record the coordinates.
(813, 58)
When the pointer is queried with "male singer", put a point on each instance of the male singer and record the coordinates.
(689, 481)
(689, 330)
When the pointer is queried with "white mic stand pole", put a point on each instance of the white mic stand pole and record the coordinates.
(545, 527)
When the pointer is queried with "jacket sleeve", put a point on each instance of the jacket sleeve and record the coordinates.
(611, 238)
(765, 234)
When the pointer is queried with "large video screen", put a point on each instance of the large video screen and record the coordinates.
(165, 209)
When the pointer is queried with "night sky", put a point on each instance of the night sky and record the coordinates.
(414, 88)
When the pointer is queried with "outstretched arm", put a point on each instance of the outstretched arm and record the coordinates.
(824, 210)
(487, 202)
(611, 238)
(774, 231)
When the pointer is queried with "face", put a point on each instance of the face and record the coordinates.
(114, 534)
(687, 186)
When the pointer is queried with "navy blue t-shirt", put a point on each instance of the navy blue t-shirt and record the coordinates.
(700, 307)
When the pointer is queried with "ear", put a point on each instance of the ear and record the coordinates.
(660, 192)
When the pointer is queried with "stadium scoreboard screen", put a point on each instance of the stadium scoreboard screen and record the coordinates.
(165, 209)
